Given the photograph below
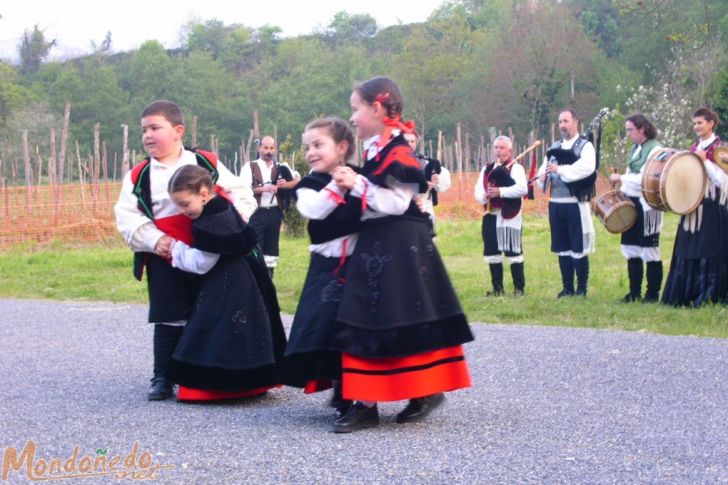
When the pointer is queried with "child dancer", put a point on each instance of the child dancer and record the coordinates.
(400, 326)
(148, 220)
(234, 339)
(311, 360)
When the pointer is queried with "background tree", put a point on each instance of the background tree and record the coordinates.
(33, 50)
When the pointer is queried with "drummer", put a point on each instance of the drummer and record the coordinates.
(699, 269)
(641, 243)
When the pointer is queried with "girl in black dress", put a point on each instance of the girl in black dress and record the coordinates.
(311, 361)
(234, 341)
(400, 325)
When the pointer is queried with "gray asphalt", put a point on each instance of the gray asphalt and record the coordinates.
(549, 405)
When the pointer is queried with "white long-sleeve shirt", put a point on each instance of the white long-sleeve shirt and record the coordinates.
(580, 169)
(318, 205)
(139, 233)
(192, 260)
(519, 189)
(393, 200)
(632, 182)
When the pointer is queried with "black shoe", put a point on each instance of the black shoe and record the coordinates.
(338, 402)
(630, 298)
(357, 417)
(419, 408)
(161, 389)
(651, 298)
(494, 293)
(518, 292)
(343, 408)
(565, 293)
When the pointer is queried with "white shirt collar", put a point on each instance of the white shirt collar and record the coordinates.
(183, 159)
(371, 145)
(703, 144)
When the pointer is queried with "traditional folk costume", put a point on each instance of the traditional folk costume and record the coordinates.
(431, 167)
(311, 360)
(400, 326)
(641, 242)
(502, 226)
(699, 266)
(572, 229)
(267, 219)
(234, 340)
(145, 213)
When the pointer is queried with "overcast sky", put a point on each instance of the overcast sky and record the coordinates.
(74, 24)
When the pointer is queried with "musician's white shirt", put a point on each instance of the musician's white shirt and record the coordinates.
(578, 170)
(519, 189)
(632, 182)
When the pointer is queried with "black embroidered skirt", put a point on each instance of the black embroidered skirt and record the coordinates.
(234, 339)
(699, 266)
(310, 354)
(398, 299)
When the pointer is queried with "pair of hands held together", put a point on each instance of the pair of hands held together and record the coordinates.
(345, 178)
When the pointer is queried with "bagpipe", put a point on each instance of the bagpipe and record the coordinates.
(585, 188)
(500, 176)
(432, 166)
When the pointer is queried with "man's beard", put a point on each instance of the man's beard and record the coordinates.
(267, 157)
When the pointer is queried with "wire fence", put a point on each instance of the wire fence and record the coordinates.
(82, 213)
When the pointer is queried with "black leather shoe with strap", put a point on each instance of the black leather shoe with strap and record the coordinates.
(419, 408)
(161, 389)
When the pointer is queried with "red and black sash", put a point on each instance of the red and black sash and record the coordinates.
(178, 226)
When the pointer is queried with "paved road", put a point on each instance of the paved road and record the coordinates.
(549, 405)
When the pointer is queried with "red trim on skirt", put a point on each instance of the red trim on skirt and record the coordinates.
(191, 394)
(398, 378)
(317, 386)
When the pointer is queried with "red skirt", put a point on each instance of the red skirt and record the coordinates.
(398, 378)
(192, 394)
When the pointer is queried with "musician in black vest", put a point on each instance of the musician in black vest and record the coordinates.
(437, 176)
(569, 173)
(501, 186)
(268, 179)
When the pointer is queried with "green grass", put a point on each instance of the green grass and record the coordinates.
(103, 272)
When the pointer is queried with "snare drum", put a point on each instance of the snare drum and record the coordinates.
(616, 211)
(674, 180)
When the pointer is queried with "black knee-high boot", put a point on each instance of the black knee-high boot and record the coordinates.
(566, 265)
(635, 271)
(496, 278)
(519, 278)
(165, 341)
(581, 265)
(654, 281)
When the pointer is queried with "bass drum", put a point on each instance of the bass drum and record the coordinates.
(674, 180)
(616, 211)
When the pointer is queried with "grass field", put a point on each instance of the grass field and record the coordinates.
(103, 272)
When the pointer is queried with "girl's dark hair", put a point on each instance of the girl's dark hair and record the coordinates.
(166, 108)
(708, 114)
(641, 122)
(384, 90)
(338, 130)
(190, 177)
